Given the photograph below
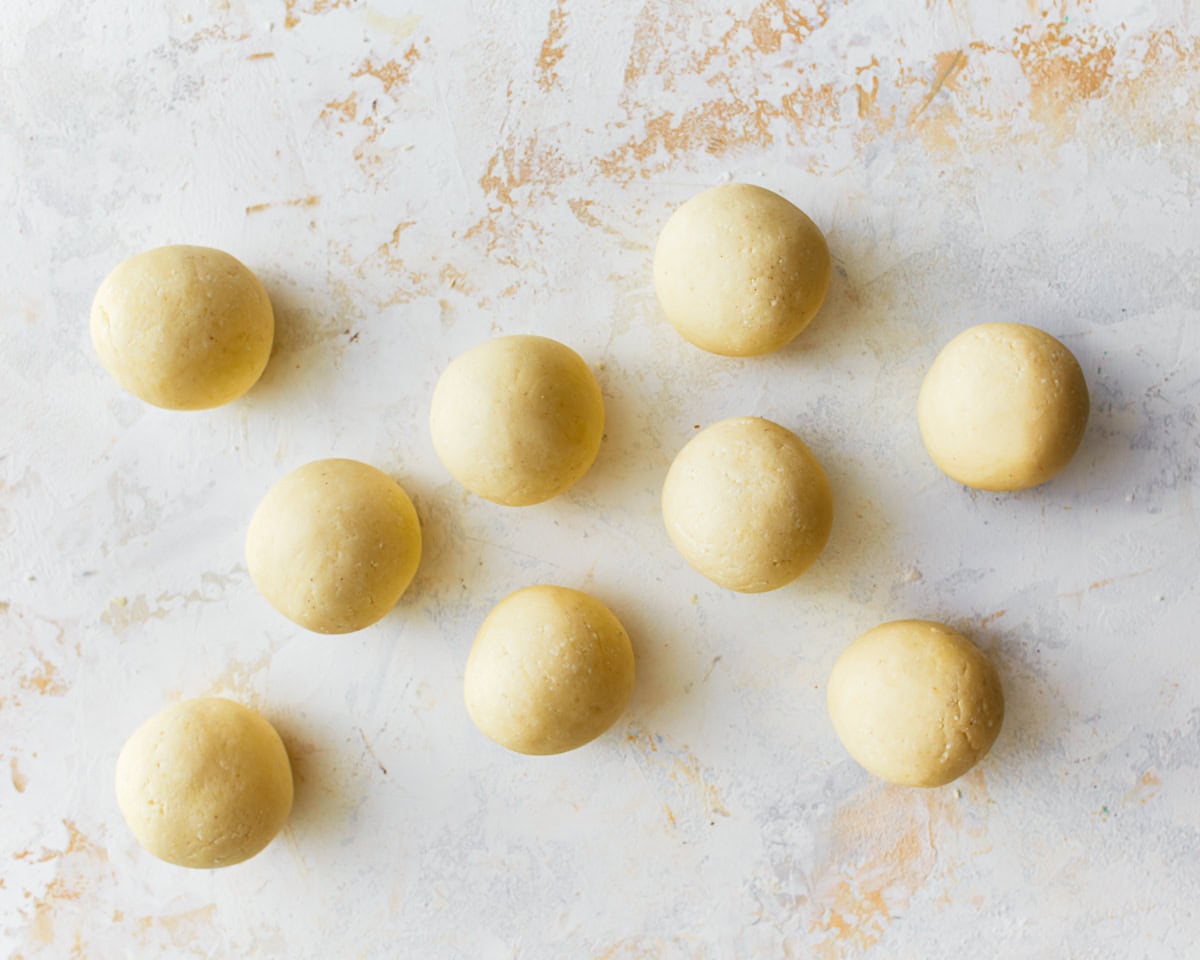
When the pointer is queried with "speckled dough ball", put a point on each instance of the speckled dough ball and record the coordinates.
(740, 271)
(517, 420)
(204, 783)
(333, 545)
(186, 328)
(1003, 407)
(915, 702)
(551, 669)
(747, 504)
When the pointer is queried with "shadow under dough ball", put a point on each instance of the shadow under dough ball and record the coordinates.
(1003, 407)
(550, 670)
(747, 504)
(185, 328)
(915, 702)
(517, 420)
(204, 783)
(334, 545)
(740, 271)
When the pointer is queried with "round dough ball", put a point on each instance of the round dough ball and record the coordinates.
(186, 328)
(517, 420)
(915, 702)
(204, 783)
(740, 271)
(747, 504)
(333, 545)
(551, 669)
(1003, 407)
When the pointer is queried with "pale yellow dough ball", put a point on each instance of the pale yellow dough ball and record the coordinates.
(185, 328)
(517, 420)
(333, 545)
(740, 271)
(747, 504)
(1003, 407)
(204, 783)
(915, 702)
(550, 670)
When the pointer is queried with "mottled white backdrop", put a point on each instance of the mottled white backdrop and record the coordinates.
(411, 178)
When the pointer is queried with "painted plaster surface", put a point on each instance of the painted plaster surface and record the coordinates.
(409, 179)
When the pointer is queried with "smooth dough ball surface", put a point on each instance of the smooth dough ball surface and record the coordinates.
(915, 702)
(517, 420)
(747, 504)
(333, 545)
(186, 328)
(204, 783)
(551, 669)
(1003, 407)
(740, 271)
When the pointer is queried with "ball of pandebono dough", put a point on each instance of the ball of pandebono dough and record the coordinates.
(517, 420)
(747, 504)
(204, 783)
(915, 702)
(550, 670)
(333, 545)
(1003, 407)
(185, 328)
(740, 271)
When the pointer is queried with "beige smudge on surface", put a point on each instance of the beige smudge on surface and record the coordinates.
(678, 765)
(295, 9)
(265, 55)
(19, 780)
(123, 613)
(395, 27)
(75, 865)
(310, 201)
(553, 47)
(1144, 791)
(391, 73)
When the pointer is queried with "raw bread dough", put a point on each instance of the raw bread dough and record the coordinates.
(1003, 407)
(551, 669)
(186, 328)
(747, 504)
(204, 783)
(517, 420)
(915, 702)
(333, 545)
(740, 271)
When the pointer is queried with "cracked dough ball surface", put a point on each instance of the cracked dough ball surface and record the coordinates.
(333, 545)
(740, 271)
(204, 783)
(517, 420)
(550, 670)
(1003, 407)
(747, 504)
(185, 328)
(915, 702)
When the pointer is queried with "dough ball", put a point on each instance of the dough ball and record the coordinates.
(747, 504)
(517, 420)
(1003, 407)
(204, 783)
(333, 545)
(915, 702)
(551, 669)
(186, 328)
(740, 271)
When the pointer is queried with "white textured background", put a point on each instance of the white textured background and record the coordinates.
(409, 179)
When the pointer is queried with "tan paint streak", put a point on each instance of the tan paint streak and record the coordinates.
(19, 780)
(294, 10)
(268, 55)
(45, 680)
(392, 73)
(345, 111)
(297, 202)
(946, 68)
(553, 47)
(1107, 581)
